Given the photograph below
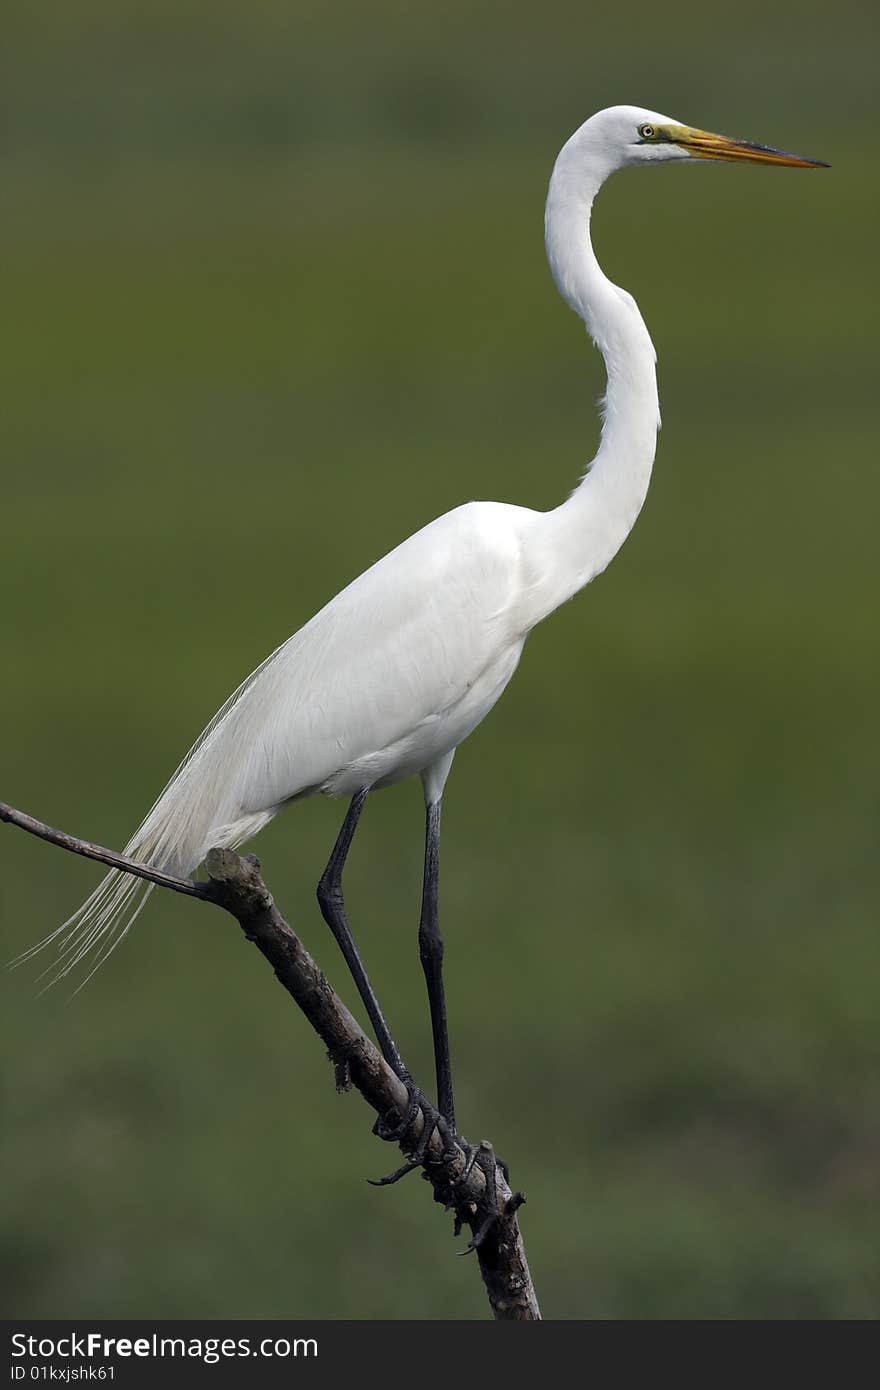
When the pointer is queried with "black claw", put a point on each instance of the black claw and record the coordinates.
(401, 1172)
(394, 1132)
(484, 1155)
(450, 1139)
(416, 1160)
(432, 1121)
(471, 1158)
(480, 1234)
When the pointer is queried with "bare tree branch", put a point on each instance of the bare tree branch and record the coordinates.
(103, 856)
(477, 1191)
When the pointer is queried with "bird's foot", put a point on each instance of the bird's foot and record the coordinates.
(486, 1216)
(432, 1122)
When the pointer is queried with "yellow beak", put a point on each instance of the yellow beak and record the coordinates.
(708, 146)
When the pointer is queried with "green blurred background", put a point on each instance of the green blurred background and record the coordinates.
(274, 296)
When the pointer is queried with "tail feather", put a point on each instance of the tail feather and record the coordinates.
(202, 806)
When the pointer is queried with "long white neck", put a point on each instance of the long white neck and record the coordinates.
(580, 537)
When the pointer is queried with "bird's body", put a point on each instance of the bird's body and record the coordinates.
(408, 659)
(393, 673)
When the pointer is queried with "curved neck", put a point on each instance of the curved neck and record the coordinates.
(585, 532)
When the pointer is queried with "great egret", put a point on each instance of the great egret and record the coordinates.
(389, 678)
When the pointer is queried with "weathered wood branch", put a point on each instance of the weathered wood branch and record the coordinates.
(478, 1192)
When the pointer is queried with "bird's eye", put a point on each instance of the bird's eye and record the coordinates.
(647, 132)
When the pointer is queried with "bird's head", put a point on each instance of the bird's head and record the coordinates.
(624, 135)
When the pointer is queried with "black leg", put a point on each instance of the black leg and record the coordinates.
(332, 906)
(431, 954)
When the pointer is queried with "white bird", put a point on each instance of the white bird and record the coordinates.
(393, 674)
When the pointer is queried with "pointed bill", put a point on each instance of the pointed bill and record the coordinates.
(704, 145)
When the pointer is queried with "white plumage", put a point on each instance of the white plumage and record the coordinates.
(389, 678)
